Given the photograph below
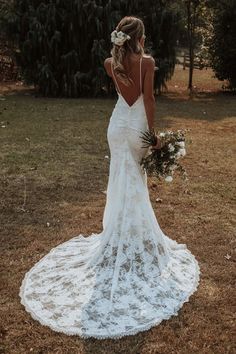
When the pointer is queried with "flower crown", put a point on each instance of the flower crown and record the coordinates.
(119, 38)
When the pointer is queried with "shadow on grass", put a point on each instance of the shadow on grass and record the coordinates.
(207, 106)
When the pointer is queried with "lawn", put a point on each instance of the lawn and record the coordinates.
(53, 176)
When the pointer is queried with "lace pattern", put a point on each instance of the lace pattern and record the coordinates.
(127, 278)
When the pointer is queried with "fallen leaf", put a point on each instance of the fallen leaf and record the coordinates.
(227, 256)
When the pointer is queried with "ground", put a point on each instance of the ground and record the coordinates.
(53, 176)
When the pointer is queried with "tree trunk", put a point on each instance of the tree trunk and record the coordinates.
(191, 16)
(191, 65)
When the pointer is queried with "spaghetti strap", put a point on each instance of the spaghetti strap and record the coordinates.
(141, 75)
(115, 78)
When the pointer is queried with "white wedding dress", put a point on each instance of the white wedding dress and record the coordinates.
(127, 278)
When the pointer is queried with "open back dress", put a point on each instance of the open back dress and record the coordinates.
(127, 278)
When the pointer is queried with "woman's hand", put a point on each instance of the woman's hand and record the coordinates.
(158, 144)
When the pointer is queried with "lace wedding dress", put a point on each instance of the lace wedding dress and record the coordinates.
(127, 278)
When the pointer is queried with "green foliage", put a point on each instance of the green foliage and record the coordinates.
(161, 21)
(63, 43)
(223, 41)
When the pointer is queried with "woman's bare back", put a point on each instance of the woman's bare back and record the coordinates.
(130, 94)
(132, 66)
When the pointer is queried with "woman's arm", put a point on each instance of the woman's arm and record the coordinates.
(148, 97)
(148, 92)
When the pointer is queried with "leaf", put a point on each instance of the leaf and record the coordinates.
(227, 256)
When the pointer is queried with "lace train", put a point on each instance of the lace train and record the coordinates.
(69, 297)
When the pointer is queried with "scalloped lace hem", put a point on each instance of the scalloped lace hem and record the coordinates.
(111, 336)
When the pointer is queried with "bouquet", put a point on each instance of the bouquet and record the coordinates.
(162, 162)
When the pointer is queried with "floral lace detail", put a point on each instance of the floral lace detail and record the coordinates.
(127, 278)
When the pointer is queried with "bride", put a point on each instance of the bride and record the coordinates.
(131, 276)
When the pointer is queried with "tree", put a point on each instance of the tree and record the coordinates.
(223, 41)
(195, 17)
(162, 23)
(192, 13)
(63, 43)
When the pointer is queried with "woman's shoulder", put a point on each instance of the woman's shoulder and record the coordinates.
(149, 63)
(149, 59)
(107, 60)
(107, 65)
(146, 57)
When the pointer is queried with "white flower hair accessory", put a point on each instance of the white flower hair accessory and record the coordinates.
(119, 38)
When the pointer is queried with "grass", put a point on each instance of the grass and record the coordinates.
(53, 174)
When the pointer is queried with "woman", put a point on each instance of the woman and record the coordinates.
(130, 276)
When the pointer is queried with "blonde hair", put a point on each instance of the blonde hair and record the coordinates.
(134, 27)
